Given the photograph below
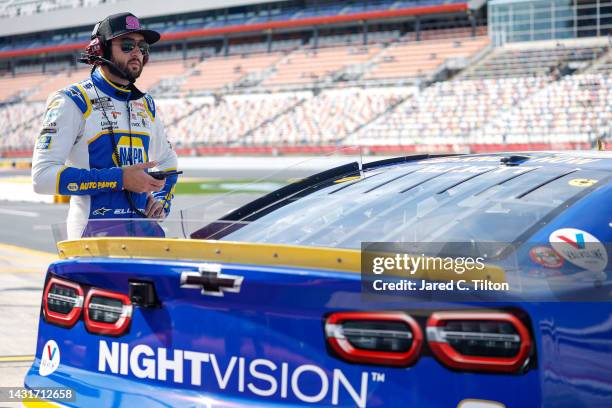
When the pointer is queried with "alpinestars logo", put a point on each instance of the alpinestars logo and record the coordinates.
(264, 378)
(101, 211)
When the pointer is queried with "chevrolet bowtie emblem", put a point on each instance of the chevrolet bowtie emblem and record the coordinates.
(210, 279)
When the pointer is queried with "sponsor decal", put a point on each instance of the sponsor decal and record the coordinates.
(50, 359)
(101, 211)
(132, 23)
(546, 256)
(580, 248)
(102, 103)
(234, 374)
(72, 187)
(48, 130)
(44, 142)
(51, 116)
(124, 211)
(88, 85)
(77, 94)
(96, 185)
(138, 105)
(115, 114)
(54, 104)
(131, 153)
(106, 123)
(581, 182)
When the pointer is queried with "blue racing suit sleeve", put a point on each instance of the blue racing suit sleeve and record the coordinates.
(73, 181)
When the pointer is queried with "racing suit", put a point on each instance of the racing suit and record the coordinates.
(76, 155)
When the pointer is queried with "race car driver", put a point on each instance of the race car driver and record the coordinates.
(101, 136)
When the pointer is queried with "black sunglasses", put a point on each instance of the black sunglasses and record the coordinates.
(128, 45)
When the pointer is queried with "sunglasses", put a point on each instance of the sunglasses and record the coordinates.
(127, 45)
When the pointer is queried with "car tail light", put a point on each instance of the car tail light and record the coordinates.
(385, 338)
(479, 340)
(62, 302)
(107, 312)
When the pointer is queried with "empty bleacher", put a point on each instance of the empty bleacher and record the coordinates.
(18, 85)
(328, 117)
(574, 109)
(419, 59)
(54, 82)
(308, 66)
(447, 112)
(216, 72)
(536, 60)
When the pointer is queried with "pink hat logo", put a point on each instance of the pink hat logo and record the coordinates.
(132, 23)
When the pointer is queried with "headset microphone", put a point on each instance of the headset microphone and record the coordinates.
(96, 60)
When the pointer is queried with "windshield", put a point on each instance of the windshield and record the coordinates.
(418, 203)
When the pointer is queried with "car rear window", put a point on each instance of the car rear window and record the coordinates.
(423, 203)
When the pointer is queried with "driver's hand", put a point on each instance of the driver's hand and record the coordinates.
(155, 207)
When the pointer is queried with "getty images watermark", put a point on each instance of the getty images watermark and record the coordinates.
(482, 271)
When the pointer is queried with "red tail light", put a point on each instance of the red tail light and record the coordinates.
(385, 338)
(479, 340)
(107, 312)
(62, 302)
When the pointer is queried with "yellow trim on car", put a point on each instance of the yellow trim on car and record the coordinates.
(39, 403)
(342, 260)
(217, 251)
(87, 101)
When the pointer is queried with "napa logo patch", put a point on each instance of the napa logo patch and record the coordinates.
(50, 359)
(580, 248)
(73, 187)
(131, 153)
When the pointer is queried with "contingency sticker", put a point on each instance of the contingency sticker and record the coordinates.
(580, 248)
(50, 359)
(582, 182)
(546, 256)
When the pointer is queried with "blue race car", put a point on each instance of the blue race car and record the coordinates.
(273, 305)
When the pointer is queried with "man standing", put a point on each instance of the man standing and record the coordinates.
(100, 136)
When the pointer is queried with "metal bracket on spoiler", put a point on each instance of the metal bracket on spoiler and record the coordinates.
(210, 279)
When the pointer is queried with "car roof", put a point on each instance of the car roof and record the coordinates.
(600, 160)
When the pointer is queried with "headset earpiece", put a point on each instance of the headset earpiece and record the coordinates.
(93, 50)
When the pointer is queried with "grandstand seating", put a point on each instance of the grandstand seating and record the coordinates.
(328, 117)
(297, 99)
(55, 82)
(227, 120)
(309, 66)
(418, 59)
(576, 108)
(19, 85)
(447, 112)
(543, 60)
(19, 123)
(214, 73)
(156, 72)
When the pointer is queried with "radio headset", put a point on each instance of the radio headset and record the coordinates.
(98, 54)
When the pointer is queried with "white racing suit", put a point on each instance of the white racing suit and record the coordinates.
(75, 155)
